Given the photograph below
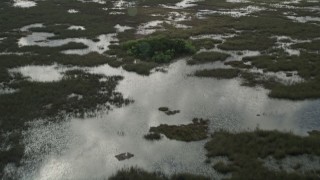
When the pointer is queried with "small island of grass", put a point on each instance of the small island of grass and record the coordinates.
(206, 57)
(218, 73)
(195, 131)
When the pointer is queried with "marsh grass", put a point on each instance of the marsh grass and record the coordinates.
(206, 57)
(195, 131)
(253, 42)
(49, 100)
(312, 46)
(307, 65)
(244, 150)
(152, 136)
(218, 73)
(205, 43)
(135, 173)
(300, 91)
(223, 168)
(33, 99)
(142, 68)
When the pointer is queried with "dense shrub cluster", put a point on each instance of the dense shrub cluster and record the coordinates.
(158, 49)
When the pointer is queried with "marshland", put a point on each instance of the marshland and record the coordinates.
(159, 89)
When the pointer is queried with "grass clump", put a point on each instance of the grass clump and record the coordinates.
(223, 168)
(164, 109)
(140, 68)
(299, 91)
(253, 42)
(307, 65)
(218, 73)
(195, 131)
(205, 43)
(168, 111)
(158, 49)
(205, 57)
(152, 136)
(246, 148)
(135, 173)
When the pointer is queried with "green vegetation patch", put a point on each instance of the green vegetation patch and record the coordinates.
(223, 167)
(205, 57)
(238, 64)
(152, 136)
(195, 131)
(205, 43)
(299, 91)
(142, 68)
(307, 65)
(218, 73)
(158, 49)
(246, 148)
(32, 99)
(253, 42)
(135, 173)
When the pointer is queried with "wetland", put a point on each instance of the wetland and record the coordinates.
(150, 89)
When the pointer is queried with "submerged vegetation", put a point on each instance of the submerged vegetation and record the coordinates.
(195, 131)
(246, 151)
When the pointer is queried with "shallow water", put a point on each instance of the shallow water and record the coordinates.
(280, 76)
(42, 39)
(5, 90)
(304, 19)
(182, 5)
(41, 73)
(77, 28)
(285, 43)
(86, 148)
(73, 11)
(236, 13)
(120, 28)
(95, 1)
(149, 27)
(24, 3)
